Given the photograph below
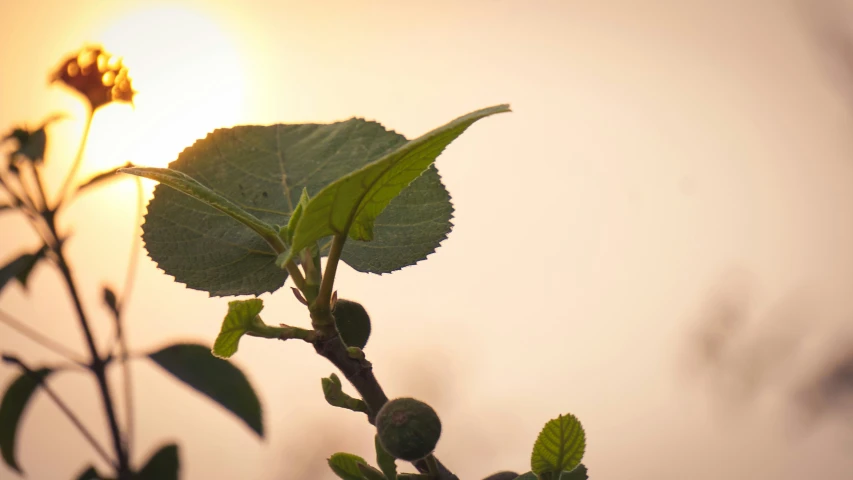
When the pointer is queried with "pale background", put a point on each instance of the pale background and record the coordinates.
(664, 159)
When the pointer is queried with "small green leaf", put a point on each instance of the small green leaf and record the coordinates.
(387, 463)
(12, 408)
(334, 393)
(163, 465)
(239, 319)
(350, 205)
(183, 183)
(345, 466)
(218, 379)
(560, 446)
(108, 176)
(20, 268)
(370, 473)
(297, 214)
(579, 473)
(90, 474)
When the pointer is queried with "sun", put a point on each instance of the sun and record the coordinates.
(189, 77)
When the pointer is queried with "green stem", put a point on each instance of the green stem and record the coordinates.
(432, 467)
(321, 307)
(78, 159)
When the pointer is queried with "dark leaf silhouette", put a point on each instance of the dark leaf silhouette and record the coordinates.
(218, 379)
(20, 268)
(12, 408)
(163, 465)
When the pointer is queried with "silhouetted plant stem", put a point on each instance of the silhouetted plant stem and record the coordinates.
(44, 207)
(120, 333)
(359, 372)
(63, 407)
(78, 159)
(98, 367)
(37, 337)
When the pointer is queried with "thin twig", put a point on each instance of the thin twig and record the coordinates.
(64, 407)
(122, 303)
(39, 187)
(39, 338)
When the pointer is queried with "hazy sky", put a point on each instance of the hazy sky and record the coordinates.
(662, 158)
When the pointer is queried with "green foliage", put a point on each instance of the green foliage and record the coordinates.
(263, 170)
(239, 319)
(345, 466)
(189, 186)
(579, 473)
(334, 393)
(14, 403)
(218, 379)
(351, 204)
(163, 465)
(21, 267)
(559, 447)
(370, 473)
(352, 323)
(387, 463)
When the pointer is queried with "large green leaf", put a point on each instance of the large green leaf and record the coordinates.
(163, 465)
(218, 379)
(560, 446)
(15, 402)
(263, 170)
(579, 473)
(20, 268)
(350, 205)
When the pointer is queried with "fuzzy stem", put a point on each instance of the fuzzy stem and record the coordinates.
(359, 372)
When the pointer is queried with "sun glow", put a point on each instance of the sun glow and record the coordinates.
(189, 77)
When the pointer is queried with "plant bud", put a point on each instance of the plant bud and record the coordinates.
(352, 322)
(408, 429)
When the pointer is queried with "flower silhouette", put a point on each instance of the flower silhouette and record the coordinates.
(96, 74)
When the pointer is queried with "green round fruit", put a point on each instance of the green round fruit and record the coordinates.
(352, 322)
(408, 429)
